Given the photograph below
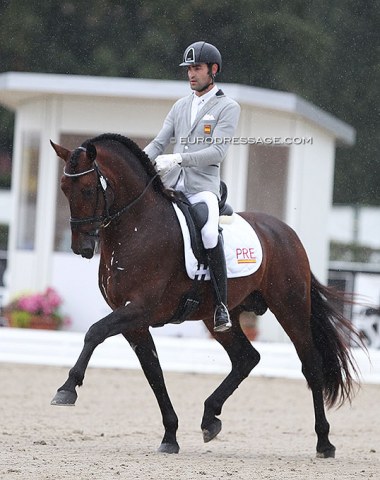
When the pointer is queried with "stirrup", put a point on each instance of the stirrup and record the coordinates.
(222, 321)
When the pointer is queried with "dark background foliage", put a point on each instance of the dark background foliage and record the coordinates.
(326, 51)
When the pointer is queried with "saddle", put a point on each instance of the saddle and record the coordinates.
(196, 216)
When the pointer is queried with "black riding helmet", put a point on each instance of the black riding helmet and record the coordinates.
(202, 52)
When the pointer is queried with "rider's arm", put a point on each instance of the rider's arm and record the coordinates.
(158, 145)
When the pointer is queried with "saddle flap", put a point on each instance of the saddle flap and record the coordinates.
(196, 217)
(199, 212)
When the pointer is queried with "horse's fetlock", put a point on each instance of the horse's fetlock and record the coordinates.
(212, 406)
(76, 376)
(322, 429)
(171, 422)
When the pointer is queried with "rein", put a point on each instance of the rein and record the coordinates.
(106, 219)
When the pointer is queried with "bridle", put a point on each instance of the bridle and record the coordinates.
(105, 219)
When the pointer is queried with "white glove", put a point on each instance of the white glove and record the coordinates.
(164, 163)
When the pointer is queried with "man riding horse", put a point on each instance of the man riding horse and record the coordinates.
(195, 122)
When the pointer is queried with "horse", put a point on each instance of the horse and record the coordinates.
(117, 199)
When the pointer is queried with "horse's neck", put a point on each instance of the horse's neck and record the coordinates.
(135, 239)
(150, 213)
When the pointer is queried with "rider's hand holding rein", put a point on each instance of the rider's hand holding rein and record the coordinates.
(164, 163)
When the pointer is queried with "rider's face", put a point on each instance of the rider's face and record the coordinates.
(199, 77)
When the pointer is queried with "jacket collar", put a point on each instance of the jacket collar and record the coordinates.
(203, 110)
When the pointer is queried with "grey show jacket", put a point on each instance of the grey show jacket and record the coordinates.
(203, 146)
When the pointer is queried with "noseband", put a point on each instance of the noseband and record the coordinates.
(105, 219)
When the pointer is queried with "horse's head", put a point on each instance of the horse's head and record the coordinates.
(97, 199)
(86, 190)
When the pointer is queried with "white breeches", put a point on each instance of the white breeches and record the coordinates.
(210, 230)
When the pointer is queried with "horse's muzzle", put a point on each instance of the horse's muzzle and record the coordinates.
(83, 245)
(87, 253)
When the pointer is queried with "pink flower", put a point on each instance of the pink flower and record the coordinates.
(46, 303)
(30, 304)
(40, 304)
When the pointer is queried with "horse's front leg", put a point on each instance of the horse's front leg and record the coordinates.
(243, 359)
(113, 324)
(143, 345)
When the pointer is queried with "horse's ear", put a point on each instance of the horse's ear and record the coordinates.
(62, 152)
(91, 151)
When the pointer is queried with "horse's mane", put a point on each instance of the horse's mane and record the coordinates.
(139, 154)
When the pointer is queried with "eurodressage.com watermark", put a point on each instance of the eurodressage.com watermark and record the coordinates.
(246, 140)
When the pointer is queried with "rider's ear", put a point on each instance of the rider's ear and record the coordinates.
(91, 151)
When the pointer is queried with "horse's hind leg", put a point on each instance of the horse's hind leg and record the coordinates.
(243, 359)
(312, 370)
(295, 319)
(144, 347)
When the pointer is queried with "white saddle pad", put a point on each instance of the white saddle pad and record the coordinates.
(242, 248)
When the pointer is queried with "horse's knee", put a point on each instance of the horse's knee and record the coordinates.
(249, 362)
(95, 335)
(245, 362)
(244, 357)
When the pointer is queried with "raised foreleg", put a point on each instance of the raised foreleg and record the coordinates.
(119, 321)
(244, 357)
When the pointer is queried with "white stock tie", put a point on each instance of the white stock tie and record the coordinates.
(197, 104)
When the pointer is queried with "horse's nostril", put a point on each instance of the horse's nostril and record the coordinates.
(87, 252)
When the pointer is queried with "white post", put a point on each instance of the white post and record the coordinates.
(47, 193)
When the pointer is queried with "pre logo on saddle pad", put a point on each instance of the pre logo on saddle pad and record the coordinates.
(242, 248)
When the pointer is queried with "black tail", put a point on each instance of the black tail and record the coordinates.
(333, 336)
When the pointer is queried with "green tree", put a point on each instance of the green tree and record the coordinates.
(326, 51)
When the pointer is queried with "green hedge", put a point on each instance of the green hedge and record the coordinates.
(3, 237)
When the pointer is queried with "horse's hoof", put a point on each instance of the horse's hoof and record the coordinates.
(64, 398)
(212, 431)
(168, 448)
(328, 453)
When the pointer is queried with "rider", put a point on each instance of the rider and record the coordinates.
(200, 125)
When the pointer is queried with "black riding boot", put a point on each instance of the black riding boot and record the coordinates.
(218, 272)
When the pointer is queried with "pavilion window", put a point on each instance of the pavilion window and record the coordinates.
(26, 215)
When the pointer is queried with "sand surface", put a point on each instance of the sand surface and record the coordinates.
(115, 429)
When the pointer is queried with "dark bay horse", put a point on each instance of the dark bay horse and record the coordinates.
(115, 195)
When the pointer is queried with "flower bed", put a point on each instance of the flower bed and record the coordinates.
(37, 310)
